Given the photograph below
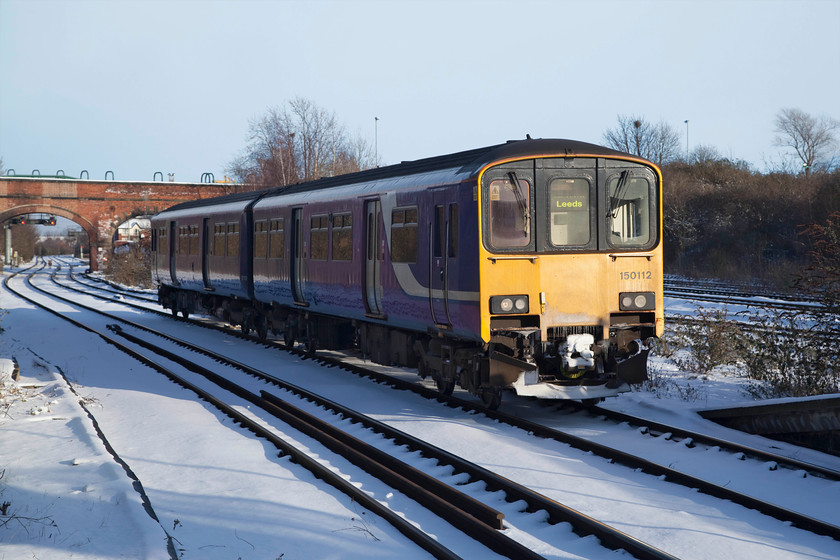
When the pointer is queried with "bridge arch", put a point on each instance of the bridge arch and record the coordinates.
(99, 207)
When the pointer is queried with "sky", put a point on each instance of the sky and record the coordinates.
(137, 87)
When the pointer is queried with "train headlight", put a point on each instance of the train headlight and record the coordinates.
(636, 301)
(509, 304)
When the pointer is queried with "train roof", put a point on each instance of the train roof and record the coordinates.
(469, 162)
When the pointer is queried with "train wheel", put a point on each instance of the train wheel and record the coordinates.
(174, 311)
(186, 314)
(288, 338)
(491, 397)
(444, 386)
(261, 329)
(246, 328)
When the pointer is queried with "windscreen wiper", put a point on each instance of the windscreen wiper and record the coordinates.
(619, 190)
(520, 201)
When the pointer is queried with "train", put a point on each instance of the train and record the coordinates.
(532, 266)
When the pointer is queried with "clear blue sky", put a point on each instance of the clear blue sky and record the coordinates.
(143, 86)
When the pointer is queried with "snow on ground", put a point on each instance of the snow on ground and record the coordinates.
(216, 492)
(68, 498)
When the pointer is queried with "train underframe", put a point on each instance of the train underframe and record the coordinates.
(573, 363)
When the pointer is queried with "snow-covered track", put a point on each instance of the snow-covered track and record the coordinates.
(671, 475)
(656, 429)
(694, 286)
(557, 513)
(475, 519)
(717, 292)
(327, 475)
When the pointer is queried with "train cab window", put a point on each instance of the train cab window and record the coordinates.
(276, 239)
(260, 239)
(342, 237)
(569, 222)
(232, 240)
(319, 238)
(510, 210)
(404, 235)
(629, 219)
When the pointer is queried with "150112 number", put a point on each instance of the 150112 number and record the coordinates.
(642, 275)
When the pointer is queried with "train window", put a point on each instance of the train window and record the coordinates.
(404, 235)
(569, 223)
(193, 240)
(163, 243)
(319, 238)
(184, 240)
(276, 239)
(453, 230)
(439, 232)
(232, 240)
(219, 240)
(260, 239)
(629, 214)
(510, 210)
(342, 237)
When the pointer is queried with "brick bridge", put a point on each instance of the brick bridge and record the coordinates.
(97, 206)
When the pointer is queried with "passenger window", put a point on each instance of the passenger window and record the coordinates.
(184, 240)
(232, 240)
(404, 235)
(629, 213)
(569, 212)
(260, 240)
(277, 239)
(510, 207)
(319, 238)
(342, 237)
(193, 240)
(163, 241)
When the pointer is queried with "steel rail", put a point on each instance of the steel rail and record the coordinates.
(320, 471)
(800, 520)
(697, 437)
(582, 524)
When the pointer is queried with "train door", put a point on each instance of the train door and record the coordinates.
(173, 247)
(442, 254)
(296, 262)
(205, 253)
(373, 257)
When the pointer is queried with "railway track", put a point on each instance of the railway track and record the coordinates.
(475, 519)
(650, 427)
(768, 508)
(749, 296)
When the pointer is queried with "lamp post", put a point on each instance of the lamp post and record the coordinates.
(376, 141)
(686, 140)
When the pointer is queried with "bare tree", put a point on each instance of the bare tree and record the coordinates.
(300, 142)
(812, 138)
(658, 143)
(703, 153)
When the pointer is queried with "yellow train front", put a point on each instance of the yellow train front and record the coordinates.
(570, 272)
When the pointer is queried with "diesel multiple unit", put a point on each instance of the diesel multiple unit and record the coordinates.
(533, 266)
